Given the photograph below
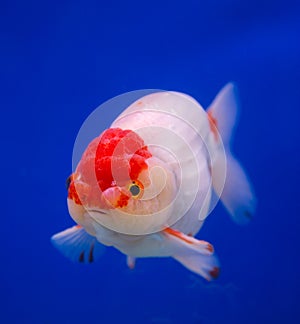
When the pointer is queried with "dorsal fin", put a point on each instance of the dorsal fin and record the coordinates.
(224, 111)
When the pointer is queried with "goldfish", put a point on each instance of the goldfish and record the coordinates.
(146, 184)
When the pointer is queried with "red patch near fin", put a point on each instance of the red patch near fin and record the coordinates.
(178, 234)
(215, 272)
(189, 239)
(213, 124)
(210, 248)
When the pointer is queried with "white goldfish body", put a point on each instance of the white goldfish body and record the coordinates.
(146, 184)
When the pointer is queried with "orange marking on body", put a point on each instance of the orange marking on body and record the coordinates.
(72, 193)
(213, 124)
(78, 226)
(78, 191)
(123, 200)
(177, 234)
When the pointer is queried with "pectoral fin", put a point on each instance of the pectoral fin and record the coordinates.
(196, 255)
(77, 245)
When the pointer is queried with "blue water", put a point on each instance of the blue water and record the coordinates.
(59, 61)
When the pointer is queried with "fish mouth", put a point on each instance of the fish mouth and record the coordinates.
(100, 217)
(98, 211)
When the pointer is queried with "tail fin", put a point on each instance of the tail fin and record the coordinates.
(238, 195)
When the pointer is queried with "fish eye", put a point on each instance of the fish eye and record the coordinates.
(134, 189)
(68, 181)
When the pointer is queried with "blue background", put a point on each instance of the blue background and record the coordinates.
(59, 61)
